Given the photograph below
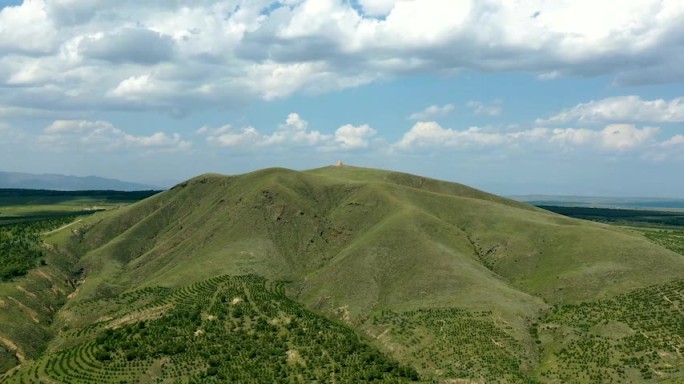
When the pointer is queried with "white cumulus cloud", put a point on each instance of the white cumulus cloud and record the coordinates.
(134, 87)
(103, 135)
(431, 134)
(102, 55)
(675, 140)
(294, 132)
(618, 137)
(614, 138)
(229, 136)
(350, 137)
(377, 7)
(622, 108)
(432, 111)
(27, 28)
(480, 108)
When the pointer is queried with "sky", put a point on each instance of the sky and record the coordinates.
(565, 97)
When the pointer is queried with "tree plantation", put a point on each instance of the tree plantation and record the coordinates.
(226, 329)
(21, 245)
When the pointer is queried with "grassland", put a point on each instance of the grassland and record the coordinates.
(25, 205)
(425, 276)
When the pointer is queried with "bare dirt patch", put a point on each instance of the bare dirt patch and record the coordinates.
(62, 227)
(155, 371)
(14, 348)
(24, 308)
(24, 291)
(77, 290)
(343, 313)
(43, 275)
(149, 314)
(293, 357)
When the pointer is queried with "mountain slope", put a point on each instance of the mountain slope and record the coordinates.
(373, 249)
(290, 225)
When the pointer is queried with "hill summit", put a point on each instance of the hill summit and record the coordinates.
(384, 229)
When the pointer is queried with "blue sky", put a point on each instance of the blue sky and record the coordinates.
(511, 97)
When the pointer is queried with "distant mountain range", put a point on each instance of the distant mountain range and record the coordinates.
(67, 183)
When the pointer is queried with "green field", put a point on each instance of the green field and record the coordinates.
(346, 275)
(28, 215)
(21, 246)
(26, 205)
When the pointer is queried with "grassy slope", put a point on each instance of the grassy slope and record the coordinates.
(302, 226)
(355, 242)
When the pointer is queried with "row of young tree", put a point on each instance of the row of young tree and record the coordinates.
(630, 336)
(227, 329)
(21, 245)
(458, 344)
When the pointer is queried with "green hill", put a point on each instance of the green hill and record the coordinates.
(451, 281)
